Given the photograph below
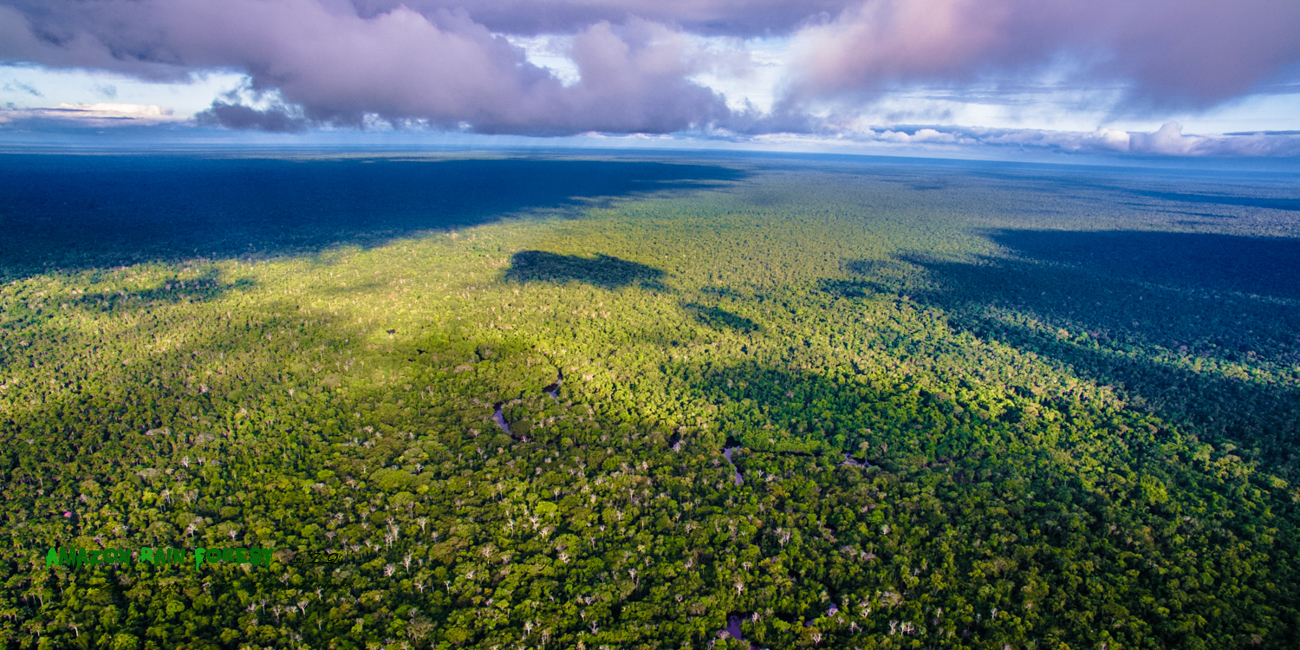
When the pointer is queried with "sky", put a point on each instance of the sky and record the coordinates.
(1175, 78)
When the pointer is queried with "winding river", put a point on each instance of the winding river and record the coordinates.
(848, 459)
(500, 418)
(726, 453)
(554, 389)
(733, 629)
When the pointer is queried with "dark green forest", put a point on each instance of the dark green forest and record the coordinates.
(553, 401)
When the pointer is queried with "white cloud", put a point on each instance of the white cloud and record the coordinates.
(1169, 140)
(64, 86)
(100, 114)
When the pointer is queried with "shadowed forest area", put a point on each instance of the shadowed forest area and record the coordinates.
(602, 271)
(1266, 267)
(1164, 315)
(85, 212)
(814, 401)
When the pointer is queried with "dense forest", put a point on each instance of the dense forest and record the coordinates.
(563, 402)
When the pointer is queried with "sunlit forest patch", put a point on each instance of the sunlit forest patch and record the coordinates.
(971, 405)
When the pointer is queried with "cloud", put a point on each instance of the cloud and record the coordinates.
(442, 69)
(1170, 53)
(742, 18)
(637, 81)
(276, 119)
(62, 34)
(1169, 140)
(636, 65)
(1102, 140)
(89, 115)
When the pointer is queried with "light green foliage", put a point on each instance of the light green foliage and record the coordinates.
(1046, 468)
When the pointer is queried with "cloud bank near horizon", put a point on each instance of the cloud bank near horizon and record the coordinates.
(1168, 140)
(449, 65)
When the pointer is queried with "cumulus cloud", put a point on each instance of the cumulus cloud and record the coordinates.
(339, 66)
(1171, 141)
(1170, 52)
(635, 78)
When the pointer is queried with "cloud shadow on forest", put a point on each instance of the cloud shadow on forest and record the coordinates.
(84, 212)
(1268, 203)
(1185, 213)
(772, 412)
(1215, 297)
(205, 288)
(1206, 261)
(1260, 191)
(602, 271)
(719, 318)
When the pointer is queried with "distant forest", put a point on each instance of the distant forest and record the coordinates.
(656, 402)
